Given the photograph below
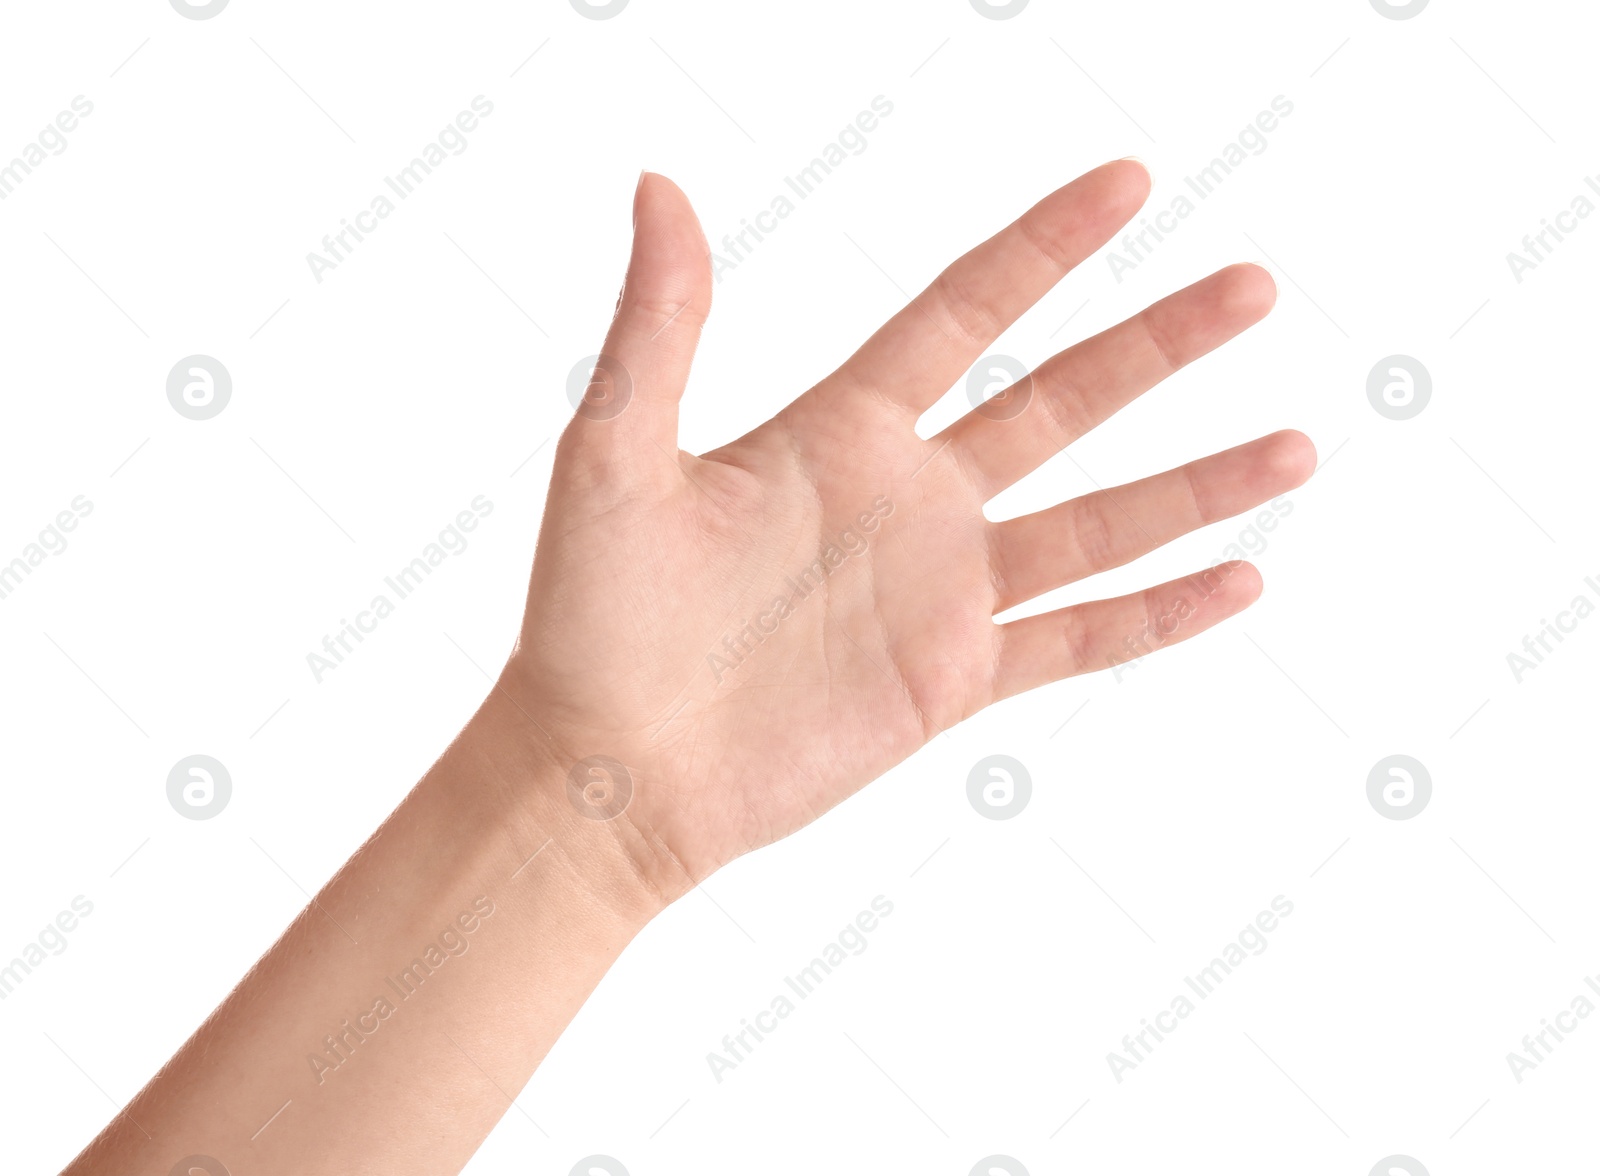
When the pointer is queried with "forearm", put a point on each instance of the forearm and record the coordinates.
(769, 644)
(391, 1024)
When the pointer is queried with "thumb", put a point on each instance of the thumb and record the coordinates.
(628, 418)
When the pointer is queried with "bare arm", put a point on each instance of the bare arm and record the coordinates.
(716, 651)
(456, 944)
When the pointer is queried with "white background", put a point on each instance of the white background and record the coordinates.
(370, 408)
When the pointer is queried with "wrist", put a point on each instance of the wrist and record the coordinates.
(570, 812)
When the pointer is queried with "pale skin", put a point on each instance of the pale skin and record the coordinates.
(649, 558)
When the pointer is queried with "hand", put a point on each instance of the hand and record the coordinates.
(755, 633)
(740, 640)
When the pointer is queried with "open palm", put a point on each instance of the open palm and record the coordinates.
(723, 647)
